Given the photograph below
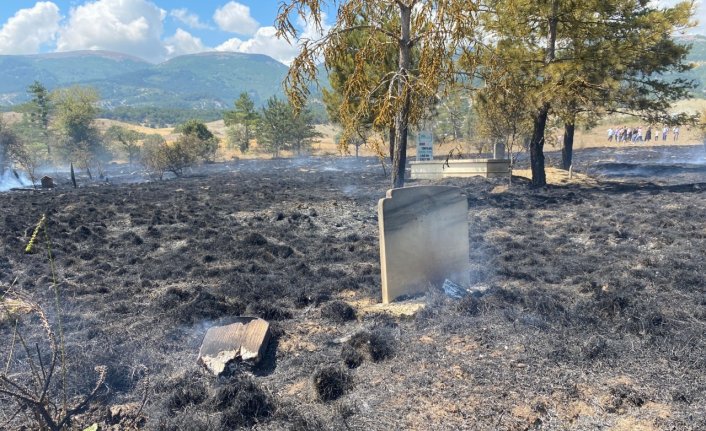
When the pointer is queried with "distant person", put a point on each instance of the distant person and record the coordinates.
(648, 134)
(665, 130)
(638, 138)
(610, 134)
(676, 133)
(656, 134)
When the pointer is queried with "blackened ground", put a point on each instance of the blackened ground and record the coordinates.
(590, 311)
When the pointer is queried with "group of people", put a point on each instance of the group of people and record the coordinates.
(634, 134)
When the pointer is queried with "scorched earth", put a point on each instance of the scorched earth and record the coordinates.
(589, 309)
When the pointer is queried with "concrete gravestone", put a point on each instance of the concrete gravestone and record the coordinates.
(423, 239)
(499, 150)
(425, 146)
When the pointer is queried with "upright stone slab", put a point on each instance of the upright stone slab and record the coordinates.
(423, 239)
(499, 151)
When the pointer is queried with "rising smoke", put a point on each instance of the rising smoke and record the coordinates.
(9, 178)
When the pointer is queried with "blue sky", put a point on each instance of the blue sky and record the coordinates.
(154, 30)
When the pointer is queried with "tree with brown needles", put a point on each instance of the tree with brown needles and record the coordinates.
(434, 31)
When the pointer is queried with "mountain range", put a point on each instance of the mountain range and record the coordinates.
(209, 81)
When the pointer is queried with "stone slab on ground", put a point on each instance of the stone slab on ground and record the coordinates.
(423, 239)
(245, 340)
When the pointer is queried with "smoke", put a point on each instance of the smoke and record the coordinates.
(672, 164)
(9, 180)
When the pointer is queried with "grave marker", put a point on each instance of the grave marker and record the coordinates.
(423, 239)
(425, 146)
(499, 150)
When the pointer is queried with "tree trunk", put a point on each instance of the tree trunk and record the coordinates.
(5, 138)
(399, 160)
(392, 143)
(567, 152)
(539, 178)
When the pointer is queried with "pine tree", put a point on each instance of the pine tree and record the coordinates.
(592, 56)
(244, 115)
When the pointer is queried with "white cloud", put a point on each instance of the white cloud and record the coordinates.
(29, 29)
(234, 17)
(265, 41)
(309, 28)
(191, 19)
(183, 42)
(129, 26)
(232, 44)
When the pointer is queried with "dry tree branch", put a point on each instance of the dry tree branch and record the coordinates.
(12, 348)
(145, 395)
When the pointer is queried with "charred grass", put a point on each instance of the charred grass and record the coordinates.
(589, 308)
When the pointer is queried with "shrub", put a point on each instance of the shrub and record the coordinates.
(159, 157)
(331, 382)
(337, 311)
(242, 402)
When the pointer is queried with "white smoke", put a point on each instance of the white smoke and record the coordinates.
(9, 180)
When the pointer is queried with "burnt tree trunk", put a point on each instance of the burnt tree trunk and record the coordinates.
(567, 151)
(392, 143)
(539, 177)
(399, 159)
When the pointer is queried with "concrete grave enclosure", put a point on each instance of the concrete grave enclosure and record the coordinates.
(438, 169)
(423, 239)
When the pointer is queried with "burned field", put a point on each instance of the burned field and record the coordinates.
(589, 310)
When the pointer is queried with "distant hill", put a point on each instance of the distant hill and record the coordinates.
(60, 69)
(204, 81)
(198, 85)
